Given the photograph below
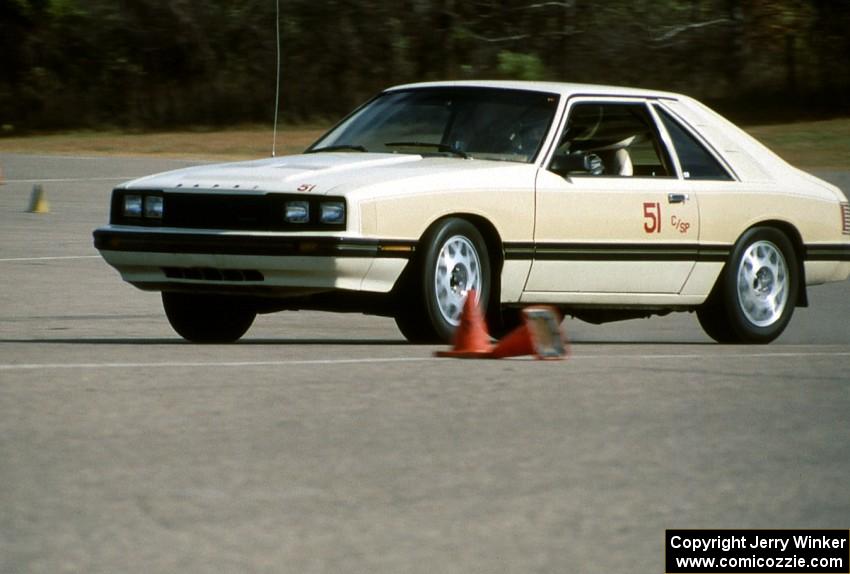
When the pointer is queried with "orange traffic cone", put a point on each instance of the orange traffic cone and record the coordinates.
(471, 338)
(540, 335)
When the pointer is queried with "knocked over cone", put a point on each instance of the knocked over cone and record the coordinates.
(540, 335)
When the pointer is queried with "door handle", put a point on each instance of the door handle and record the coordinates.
(677, 197)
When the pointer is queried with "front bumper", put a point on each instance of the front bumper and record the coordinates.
(251, 262)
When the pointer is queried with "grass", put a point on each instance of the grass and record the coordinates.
(235, 143)
(809, 145)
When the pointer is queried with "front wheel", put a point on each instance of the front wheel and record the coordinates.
(757, 291)
(455, 262)
(204, 318)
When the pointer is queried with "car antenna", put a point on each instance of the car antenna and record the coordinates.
(277, 81)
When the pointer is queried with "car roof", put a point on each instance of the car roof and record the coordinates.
(561, 88)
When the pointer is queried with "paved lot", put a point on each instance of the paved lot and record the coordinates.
(324, 443)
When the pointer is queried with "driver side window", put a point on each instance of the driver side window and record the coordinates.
(610, 140)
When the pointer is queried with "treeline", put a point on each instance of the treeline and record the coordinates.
(162, 63)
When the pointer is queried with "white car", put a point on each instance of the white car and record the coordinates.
(609, 203)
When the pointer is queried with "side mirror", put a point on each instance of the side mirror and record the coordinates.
(588, 163)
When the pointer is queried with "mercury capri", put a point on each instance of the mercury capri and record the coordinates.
(609, 203)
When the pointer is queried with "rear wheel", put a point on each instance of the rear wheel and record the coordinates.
(755, 297)
(204, 318)
(454, 262)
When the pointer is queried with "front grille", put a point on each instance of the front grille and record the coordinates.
(228, 211)
(211, 274)
(225, 211)
(845, 213)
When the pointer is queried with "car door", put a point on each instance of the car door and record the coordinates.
(613, 214)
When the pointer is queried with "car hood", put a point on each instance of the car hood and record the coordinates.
(324, 173)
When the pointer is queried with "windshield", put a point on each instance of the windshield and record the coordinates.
(479, 123)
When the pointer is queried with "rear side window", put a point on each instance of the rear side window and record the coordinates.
(696, 161)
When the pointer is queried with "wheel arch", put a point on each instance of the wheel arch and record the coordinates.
(495, 251)
(488, 231)
(793, 235)
(491, 237)
(725, 318)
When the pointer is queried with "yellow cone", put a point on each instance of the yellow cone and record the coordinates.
(38, 200)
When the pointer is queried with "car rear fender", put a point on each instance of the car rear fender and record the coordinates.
(796, 239)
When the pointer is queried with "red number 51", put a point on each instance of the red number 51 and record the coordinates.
(652, 213)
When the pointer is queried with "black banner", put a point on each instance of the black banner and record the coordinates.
(757, 551)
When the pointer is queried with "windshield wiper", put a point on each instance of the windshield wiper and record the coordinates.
(438, 146)
(341, 147)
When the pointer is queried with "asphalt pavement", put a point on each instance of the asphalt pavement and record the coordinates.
(325, 443)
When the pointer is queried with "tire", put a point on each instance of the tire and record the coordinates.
(757, 290)
(208, 318)
(454, 260)
(504, 320)
(713, 321)
(414, 327)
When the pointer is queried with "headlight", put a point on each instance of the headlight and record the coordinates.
(132, 206)
(297, 212)
(332, 212)
(153, 206)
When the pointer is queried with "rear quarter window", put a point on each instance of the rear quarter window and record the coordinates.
(697, 162)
